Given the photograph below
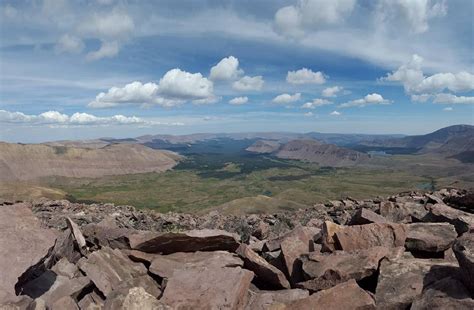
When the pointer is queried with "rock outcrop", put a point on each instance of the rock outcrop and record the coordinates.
(397, 253)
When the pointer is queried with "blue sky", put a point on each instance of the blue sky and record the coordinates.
(88, 69)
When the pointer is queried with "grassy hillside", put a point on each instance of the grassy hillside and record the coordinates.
(220, 174)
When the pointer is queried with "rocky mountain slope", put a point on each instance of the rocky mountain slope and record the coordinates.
(264, 147)
(32, 161)
(447, 141)
(312, 151)
(409, 251)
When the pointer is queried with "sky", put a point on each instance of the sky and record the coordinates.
(116, 68)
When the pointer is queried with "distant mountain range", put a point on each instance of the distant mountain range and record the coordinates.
(107, 156)
(312, 151)
(329, 138)
(453, 141)
(32, 161)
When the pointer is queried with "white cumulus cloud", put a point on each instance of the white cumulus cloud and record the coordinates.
(370, 99)
(55, 118)
(316, 103)
(174, 88)
(226, 69)
(305, 76)
(239, 100)
(335, 113)
(453, 99)
(415, 82)
(331, 91)
(448, 109)
(248, 83)
(286, 98)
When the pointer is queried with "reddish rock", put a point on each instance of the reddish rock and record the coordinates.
(165, 265)
(274, 244)
(64, 268)
(464, 250)
(430, 237)
(208, 288)
(401, 281)
(51, 287)
(358, 237)
(402, 212)
(327, 270)
(91, 301)
(111, 270)
(9, 301)
(265, 273)
(77, 235)
(366, 216)
(448, 293)
(23, 243)
(328, 232)
(299, 242)
(190, 241)
(135, 298)
(263, 300)
(107, 234)
(65, 303)
(463, 221)
(347, 295)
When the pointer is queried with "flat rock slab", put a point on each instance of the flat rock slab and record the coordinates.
(208, 288)
(111, 270)
(165, 265)
(463, 221)
(402, 212)
(135, 298)
(448, 293)
(430, 237)
(401, 281)
(265, 299)
(189, 241)
(365, 216)
(347, 295)
(351, 238)
(464, 250)
(266, 273)
(51, 287)
(327, 270)
(22, 243)
(107, 234)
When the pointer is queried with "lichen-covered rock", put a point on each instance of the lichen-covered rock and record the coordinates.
(165, 265)
(23, 243)
(402, 280)
(323, 271)
(208, 288)
(464, 250)
(265, 273)
(430, 237)
(447, 293)
(347, 295)
(351, 238)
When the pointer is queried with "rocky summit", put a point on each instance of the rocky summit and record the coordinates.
(413, 250)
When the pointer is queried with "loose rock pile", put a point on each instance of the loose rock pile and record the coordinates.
(409, 251)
